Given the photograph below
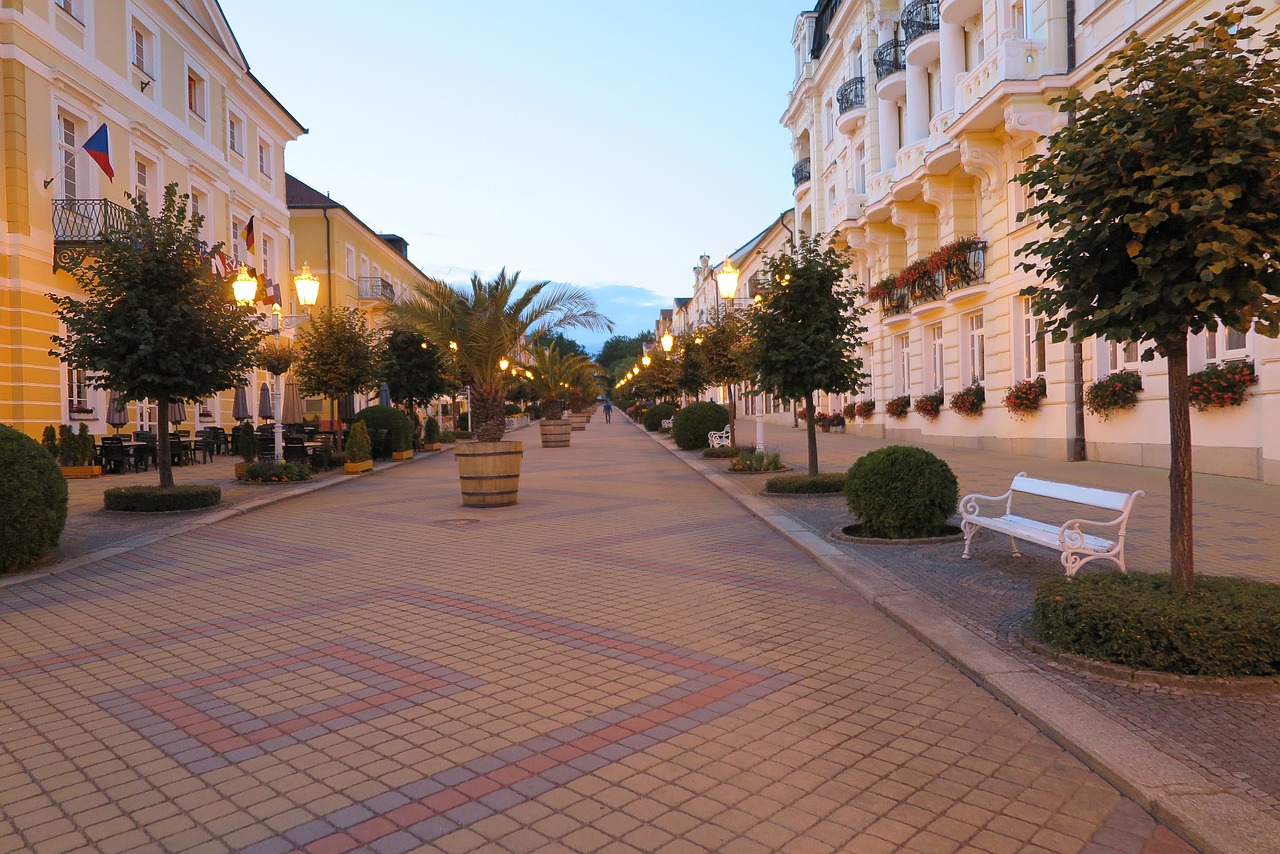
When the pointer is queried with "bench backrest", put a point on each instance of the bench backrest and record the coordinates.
(1069, 492)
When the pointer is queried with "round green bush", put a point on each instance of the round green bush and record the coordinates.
(359, 447)
(157, 499)
(656, 414)
(825, 483)
(901, 492)
(512, 409)
(690, 426)
(33, 502)
(398, 426)
(534, 411)
(431, 430)
(1221, 627)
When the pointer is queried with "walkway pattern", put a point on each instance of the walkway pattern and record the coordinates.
(625, 661)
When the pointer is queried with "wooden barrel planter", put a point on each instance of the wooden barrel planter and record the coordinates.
(489, 472)
(578, 422)
(555, 432)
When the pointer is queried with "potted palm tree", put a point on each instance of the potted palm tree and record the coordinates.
(554, 376)
(488, 323)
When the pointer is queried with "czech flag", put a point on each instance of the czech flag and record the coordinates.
(100, 150)
(247, 234)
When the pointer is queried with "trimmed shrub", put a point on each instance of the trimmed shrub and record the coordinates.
(463, 423)
(901, 492)
(398, 426)
(49, 440)
(512, 409)
(826, 483)
(33, 502)
(727, 452)
(247, 442)
(68, 448)
(449, 437)
(690, 426)
(656, 414)
(431, 430)
(534, 411)
(358, 447)
(156, 499)
(337, 459)
(276, 473)
(1221, 627)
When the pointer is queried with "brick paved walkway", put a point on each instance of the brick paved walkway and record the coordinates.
(625, 661)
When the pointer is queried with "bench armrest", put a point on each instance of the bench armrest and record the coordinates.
(970, 505)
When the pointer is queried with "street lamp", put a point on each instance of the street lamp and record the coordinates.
(727, 283)
(245, 287)
(646, 360)
(667, 342)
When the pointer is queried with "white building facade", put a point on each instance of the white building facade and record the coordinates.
(908, 124)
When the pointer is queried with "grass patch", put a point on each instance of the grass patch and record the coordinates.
(154, 499)
(825, 483)
(1221, 627)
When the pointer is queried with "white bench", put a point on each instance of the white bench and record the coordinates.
(666, 424)
(719, 438)
(1077, 546)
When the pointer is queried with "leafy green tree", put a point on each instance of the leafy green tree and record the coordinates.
(724, 352)
(566, 346)
(489, 321)
(806, 330)
(691, 378)
(621, 347)
(658, 379)
(1162, 203)
(338, 355)
(154, 323)
(413, 368)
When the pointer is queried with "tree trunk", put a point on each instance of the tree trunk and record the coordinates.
(488, 415)
(811, 430)
(733, 420)
(164, 458)
(1181, 545)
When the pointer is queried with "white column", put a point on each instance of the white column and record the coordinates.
(917, 104)
(951, 61)
(888, 135)
(277, 405)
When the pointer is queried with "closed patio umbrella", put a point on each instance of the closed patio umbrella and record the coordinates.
(240, 408)
(177, 412)
(265, 409)
(347, 408)
(384, 395)
(292, 403)
(117, 410)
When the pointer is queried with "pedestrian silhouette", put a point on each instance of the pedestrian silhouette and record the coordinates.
(608, 411)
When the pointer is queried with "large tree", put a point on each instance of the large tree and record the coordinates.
(339, 354)
(489, 322)
(414, 369)
(155, 323)
(1161, 196)
(724, 354)
(806, 330)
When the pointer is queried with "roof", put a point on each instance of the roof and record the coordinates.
(299, 194)
(739, 255)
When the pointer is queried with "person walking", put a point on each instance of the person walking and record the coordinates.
(608, 411)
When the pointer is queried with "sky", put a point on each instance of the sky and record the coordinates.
(602, 143)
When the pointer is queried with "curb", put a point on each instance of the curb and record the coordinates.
(1212, 820)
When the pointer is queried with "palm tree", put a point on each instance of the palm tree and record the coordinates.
(489, 322)
(556, 375)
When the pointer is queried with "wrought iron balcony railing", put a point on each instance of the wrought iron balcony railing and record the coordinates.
(852, 94)
(897, 302)
(920, 17)
(889, 59)
(78, 224)
(800, 172)
(373, 287)
(971, 270)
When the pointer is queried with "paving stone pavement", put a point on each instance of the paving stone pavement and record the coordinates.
(625, 661)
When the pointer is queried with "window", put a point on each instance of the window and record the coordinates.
(1225, 345)
(195, 94)
(975, 348)
(902, 364)
(72, 8)
(142, 49)
(77, 390)
(239, 253)
(868, 366)
(829, 115)
(264, 158)
(1033, 344)
(67, 148)
(235, 134)
(936, 363)
(860, 170)
(1022, 194)
(142, 171)
(268, 247)
(351, 263)
(1113, 356)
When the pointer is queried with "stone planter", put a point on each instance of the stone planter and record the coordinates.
(80, 472)
(555, 432)
(400, 456)
(489, 473)
(358, 468)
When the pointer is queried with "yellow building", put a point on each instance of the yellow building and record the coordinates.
(909, 120)
(356, 266)
(174, 92)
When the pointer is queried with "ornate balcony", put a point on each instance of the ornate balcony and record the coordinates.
(889, 59)
(375, 288)
(800, 172)
(897, 302)
(918, 18)
(852, 94)
(79, 224)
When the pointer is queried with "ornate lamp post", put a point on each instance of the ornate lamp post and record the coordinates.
(727, 284)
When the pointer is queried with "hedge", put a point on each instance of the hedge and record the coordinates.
(156, 499)
(33, 501)
(825, 483)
